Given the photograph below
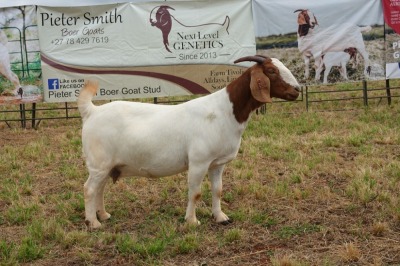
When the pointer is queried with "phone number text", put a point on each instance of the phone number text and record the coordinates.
(80, 40)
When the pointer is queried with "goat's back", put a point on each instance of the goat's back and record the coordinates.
(333, 38)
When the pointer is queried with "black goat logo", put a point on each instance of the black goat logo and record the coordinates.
(163, 21)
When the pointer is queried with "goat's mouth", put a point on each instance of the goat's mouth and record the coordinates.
(293, 95)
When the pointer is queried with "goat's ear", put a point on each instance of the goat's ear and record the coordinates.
(260, 86)
(301, 20)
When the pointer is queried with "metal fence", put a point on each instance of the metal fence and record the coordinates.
(32, 54)
(359, 97)
(17, 54)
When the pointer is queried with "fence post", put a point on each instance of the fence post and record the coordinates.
(33, 115)
(22, 115)
(365, 92)
(307, 98)
(66, 110)
(388, 93)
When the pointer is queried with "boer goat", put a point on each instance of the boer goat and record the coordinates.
(202, 135)
(340, 59)
(313, 42)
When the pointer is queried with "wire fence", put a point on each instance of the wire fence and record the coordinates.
(311, 99)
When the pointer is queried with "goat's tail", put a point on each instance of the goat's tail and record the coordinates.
(85, 104)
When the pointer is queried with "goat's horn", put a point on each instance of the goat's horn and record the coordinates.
(298, 10)
(167, 7)
(254, 58)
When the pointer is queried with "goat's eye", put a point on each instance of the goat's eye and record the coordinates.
(271, 71)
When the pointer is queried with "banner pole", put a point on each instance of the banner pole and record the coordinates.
(365, 93)
(307, 98)
(22, 115)
(33, 115)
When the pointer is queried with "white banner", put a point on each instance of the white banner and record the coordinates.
(143, 49)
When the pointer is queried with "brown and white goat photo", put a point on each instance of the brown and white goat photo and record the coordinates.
(128, 139)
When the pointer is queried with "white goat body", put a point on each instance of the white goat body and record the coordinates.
(202, 135)
(331, 59)
(335, 38)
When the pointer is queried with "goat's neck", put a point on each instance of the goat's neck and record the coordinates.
(241, 98)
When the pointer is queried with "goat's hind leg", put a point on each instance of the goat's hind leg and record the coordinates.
(100, 210)
(215, 175)
(94, 204)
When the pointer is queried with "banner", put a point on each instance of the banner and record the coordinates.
(330, 41)
(148, 49)
(391, 12)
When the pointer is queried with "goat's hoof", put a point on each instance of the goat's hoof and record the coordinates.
(194, 222)
(222, 218)
(227, 222)
(93, 225)
(103, 215)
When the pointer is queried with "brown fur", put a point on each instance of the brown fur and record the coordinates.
(115, 173)
(91, 86)
(240, 92)
(197, 197)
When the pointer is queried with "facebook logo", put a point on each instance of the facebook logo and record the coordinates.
(53, 84)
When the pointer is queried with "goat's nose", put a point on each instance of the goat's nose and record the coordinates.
(297, 88)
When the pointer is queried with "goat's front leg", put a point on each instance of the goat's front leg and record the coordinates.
(195, 178)
(306, 67)
(343, 71)
(215, 175)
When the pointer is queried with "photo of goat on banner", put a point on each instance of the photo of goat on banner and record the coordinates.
(326, 43)
(20, 79)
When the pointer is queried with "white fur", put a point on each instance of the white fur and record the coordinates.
(285, 73)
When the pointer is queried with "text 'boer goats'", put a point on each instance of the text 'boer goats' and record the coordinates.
(202, 135)
(315, 42)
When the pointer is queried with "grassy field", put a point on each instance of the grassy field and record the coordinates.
(307, 188)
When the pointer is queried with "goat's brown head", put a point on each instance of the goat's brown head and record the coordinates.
(306, 21)
(270, 78)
